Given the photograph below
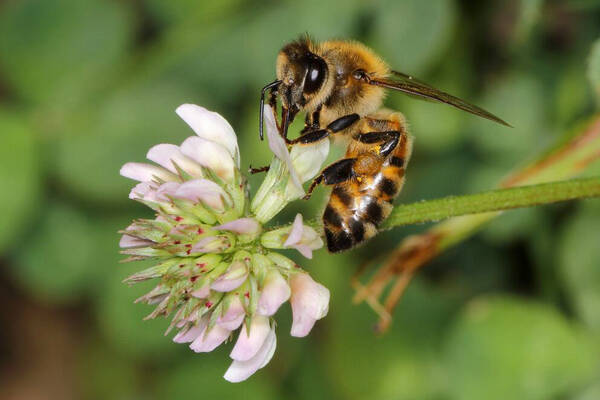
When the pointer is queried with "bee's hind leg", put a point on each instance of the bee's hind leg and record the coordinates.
(386, 140)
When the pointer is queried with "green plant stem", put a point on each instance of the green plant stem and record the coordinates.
(495, 200)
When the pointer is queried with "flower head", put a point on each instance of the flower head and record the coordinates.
(216, 269)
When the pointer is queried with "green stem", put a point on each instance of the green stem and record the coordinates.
(495, 200)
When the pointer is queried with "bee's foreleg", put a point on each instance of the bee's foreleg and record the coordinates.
(309, 135)
(338, 172)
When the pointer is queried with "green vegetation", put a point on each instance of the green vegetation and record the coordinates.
(87, 85)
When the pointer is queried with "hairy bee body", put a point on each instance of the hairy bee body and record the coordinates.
(341, 86)
(357, 206)
(339, 94)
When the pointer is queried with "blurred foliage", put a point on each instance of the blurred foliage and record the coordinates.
(87, 85)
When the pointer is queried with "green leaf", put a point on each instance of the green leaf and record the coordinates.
(200, 376)
(529, 15)
(123, 129)
(594, 69)
(200, 12)
(214, 64)
(70, 254)
(519, 100)
(19, 174)
(56, 262)
(507, 348)
(590, 393)
(103, 374)
(579, 264)
(400, 365)
(56, 50)
(410, 34)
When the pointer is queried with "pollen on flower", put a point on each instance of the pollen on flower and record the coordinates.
(201, 287)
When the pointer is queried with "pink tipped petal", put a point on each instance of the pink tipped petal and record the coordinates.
(140, 191)
(128, 241)
(233, 324)
(296, 233)
(191, 334)
(241, 226)
(211, 126)
(275, 292)
(239, 371)
(248, 345)
(167, 190)
(279, 148)
(210, 340)
(201, 293)
(209, 154)
(302, 325)
(235, 275)
(310, 302)
(227, 285)
(204, 245)
(305, 250)
(234, 311)
(303, 238)
(167, 155)
(146, 172)
(202, 190)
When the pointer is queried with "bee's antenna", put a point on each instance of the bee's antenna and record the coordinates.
(262, 104)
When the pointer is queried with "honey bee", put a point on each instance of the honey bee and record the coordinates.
(340, 85)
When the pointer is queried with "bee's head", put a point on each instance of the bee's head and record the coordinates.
(303, 76)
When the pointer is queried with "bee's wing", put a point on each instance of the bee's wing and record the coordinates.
(411, 86)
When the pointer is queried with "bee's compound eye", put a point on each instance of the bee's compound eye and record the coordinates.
(315, 75)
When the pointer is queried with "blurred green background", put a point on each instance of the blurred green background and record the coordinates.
(87, 85)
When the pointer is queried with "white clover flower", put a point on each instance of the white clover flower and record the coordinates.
(287, 172)
(216, 269)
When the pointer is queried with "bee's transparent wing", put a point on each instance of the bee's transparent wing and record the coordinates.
(407, 84)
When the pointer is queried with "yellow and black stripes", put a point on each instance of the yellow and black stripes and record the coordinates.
(365, 188)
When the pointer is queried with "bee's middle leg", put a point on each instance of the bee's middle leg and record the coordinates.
(338, 172)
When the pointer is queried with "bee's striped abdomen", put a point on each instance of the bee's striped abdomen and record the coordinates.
(358, 206)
